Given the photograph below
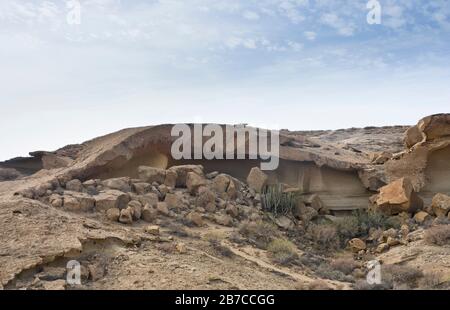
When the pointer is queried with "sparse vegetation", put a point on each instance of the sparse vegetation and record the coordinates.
(327, 271)
(215, 240)
(346, 265)
(276, 201)
(398, 276)
(259, 233)
(438, 235)
(324, 236)
(282, 251)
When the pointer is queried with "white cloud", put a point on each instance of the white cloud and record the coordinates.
(310, 35)
(344, 28)
(251, 15)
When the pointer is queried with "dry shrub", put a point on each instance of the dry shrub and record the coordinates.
(431, 280)
(401, 276)
(167, 247)
(282, 251)
(326, 271)
(319, 285)
(346, 265)
(260, 233)
(324, 236)
(215, 240)
(438, 235)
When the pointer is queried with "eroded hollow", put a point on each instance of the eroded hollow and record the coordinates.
(437, 174)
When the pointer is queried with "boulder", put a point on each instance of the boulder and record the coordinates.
(149, 214)
(381, 248)
(220, 183)
(440, 205)
(151, 174)
(194, 182)
(152, 230)
(109, 199)
(113, 214)
(142, 188)
(173, 201)
(314, 202)
(413, 136)
(257, 179)
(171, 179)
(137, 209)
(78, 202)
(356, 245)
(397, 197)
(421, 217)
(162, 208)
(121, 184)
(74, 185)
(149, 199)
(284, 222)
(195, 218)
(126, 216)
(435, 126)
(182, 172)
(56, 201)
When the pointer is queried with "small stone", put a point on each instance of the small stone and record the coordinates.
(171, 179)
(149, 214)
(392, 241)
(195, 218)
(162, 208)
(113, 214)
(181, 248)
(194, 182)
(357, 245)
(74, 185)
(422, 217)
(126, 216)
(383, 247)
(173, 201)
(142, 188)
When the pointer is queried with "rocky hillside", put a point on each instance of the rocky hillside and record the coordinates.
(135, 218)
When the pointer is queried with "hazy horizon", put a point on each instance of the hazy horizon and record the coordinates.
(291, 64)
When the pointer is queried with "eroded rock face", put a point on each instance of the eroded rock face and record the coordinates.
(399, 196)
(78, 202)
(109, 199)
(435, 126)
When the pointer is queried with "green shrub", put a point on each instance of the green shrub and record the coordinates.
(275, 201)
(282, 251)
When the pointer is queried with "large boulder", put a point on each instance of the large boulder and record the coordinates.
(78, 202)
(397, 197)
(413, 136)
(151, 174)
(440, 204)
(435, 126)
(74, 185)
(183, 171)
(109, 199)
(225, 186)
(257, 179)
(121, 184)
(194, 182)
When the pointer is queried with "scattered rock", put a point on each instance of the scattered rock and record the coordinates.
(194, 182)
(232, 210)
(381, 248)
(74, 186)
(150, 199)
(284, 222)
(422, 217)
(58, 285)
(257, 179)
(113, 214)
(440, 205)
(120, 184)
(223, 219)
(171, 179)
(109, 199)
(96, 271)
(126, 216)
(392, 241)
(151, 174)
(152, 230)
(142, 188)
(181, 248)
(182, 172)
(162, 208)
(137, 209)
(357, 245)
(205, 197)
(173, 201)
(149, 214)
(195, 218)
(399, 196)
(78, 202)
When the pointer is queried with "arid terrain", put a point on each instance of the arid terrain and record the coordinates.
(135, 218)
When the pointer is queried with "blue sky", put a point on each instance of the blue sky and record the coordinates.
(293, 64)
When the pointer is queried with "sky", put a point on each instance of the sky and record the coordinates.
(284, 64)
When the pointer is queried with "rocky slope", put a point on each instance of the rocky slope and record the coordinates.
(136, 218)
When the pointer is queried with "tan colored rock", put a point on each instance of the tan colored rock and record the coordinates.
(314, 202)
(257, 179)
(195, 218)
(381, 248)
(113, 214)
(421, 217)
(78, 202)
(357, 245)
(56, 201)
(435, 126)
(57, 285)
(151, 174)
(171, 178)
(440, 205)
(194, 182)
(413, 136)
(182, 172)
(220, 183)
(111, 199)
(142, 188)
(137, 209)
(120, 184)
(181, 248)
(126, 216)
(149, 199)
(162, 208)
(152, 230)
(74, 185)
(392, 241)
(149, 214)
(399, 196)
(224, 220)
(173, 201)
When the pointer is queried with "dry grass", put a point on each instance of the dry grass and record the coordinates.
(438, 235)
(324, 236)
(259, 233)
(399, 276)
(282, 251)
(346, 265)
